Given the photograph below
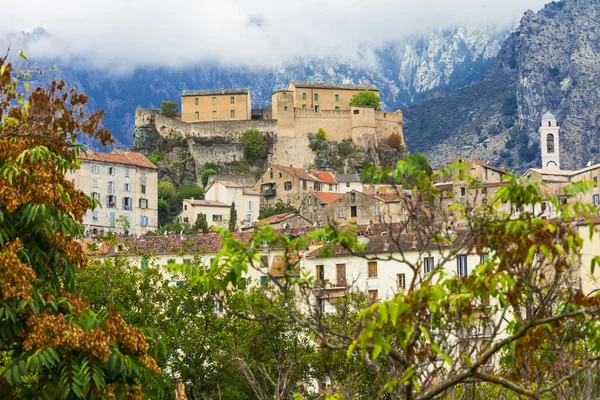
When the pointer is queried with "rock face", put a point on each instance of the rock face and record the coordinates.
(550, 63)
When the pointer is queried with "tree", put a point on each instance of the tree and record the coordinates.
(211, 165)
(166, 190)
(421, 162)
(395, 141)
(206, 175)
(232, 218)
(169, 108)
(255, 145)
(201, 223)
(123, 224)
(278, 208)
(366, 98)
(55, 345)
(189, 191)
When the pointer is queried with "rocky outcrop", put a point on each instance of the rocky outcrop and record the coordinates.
(550, 63)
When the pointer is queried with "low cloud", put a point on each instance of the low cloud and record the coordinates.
(122, 35)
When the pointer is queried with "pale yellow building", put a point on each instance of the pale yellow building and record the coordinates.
(126, 185)
(216, 105)
(324, 96)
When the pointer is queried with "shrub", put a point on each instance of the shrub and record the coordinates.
(211, 165)
(232, 218)
(157, 156)
(255, 145)
(205, 175)
(346, 147)
(493, 130)
(169, 108)
(366, 98)
(166, 190)
(321, 134)
(508, 122)
(395, 141)
(509, 105)
(189, 191)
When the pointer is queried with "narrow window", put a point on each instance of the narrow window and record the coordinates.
(320, 272)
(284, 108)
(317, 186)
(596, 199)
(316, 108)
(402, 281)
(95, 215)
(303, 96)
(113, 219)
(337, 107)
(214, 100)
(95, 169)
(126, 172)
(197, 115)
(214, 115)
(143, 189)
(484, 257)
(353, 197)
(232, 99)
(303, 184)
(356, 112)
(143, 178)
(337, 99)
(264, 280)
(196, 101)
(372, 269)
(353, 211)
(316, 97)
(377, 211)
(550, 143)
(347, 184)
(284, 94)
(341, 274)
(373, 294)
(340, 212)
(428, 264)
(111, 170)
(249, 205)
(232, 113)
(463, 191)
(462, 265)
(218, 306)
(288, 185)
(95, 182)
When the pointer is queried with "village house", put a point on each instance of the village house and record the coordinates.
(246, 200)
(349, 182)
(126, 185)
(215, 212)
(216, 105)
(475, 169)
(290, 185)
(283, 221)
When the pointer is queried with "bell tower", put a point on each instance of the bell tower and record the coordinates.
(549, 142)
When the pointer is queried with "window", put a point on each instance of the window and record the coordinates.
(270, 174)
(596, 199)
(402, 281)
(463, 191)
(595, 180)
(340, 212)
(462, 265)
(330, 187)
(96, 195)
(250, 205)
(372, 269)
(127, 203)
(281, 174)
(143, 203)
(214, 115)
(484, 257)
(321, 305)
(317, 186)
(112, 170)
(377, 210)
(214, 100)
(341, 274)
(127, 187)
(347, 184)
(287, 185)
(143, 178)
(232, 113)
(373, 294)
(95, 215)
(353, 211)
(171, 261)
(304, 106)
(264, 280)
(143, 189)
(336, 98)
(249, 218)
(284, 108)
(113, 218)
(316, 108)
(232, 100)
(316, 97)
(217, 217)
(218, 306)
(284, 94)
(356, 112)
(304, 184)
(428, 264)
(144, 265)
(143, 220)
(111, 201)
(303, 98)
(126, 172)
(337, 107)
(197, 115)
(95, 182)
(550, 143)
(353, 197)
(320, 272)
(111, 188)
(95, 169)
(196, 100)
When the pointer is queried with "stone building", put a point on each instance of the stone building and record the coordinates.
(247, 201)
(216, 105)
(290, 185)
(477, 170)
(126, 185)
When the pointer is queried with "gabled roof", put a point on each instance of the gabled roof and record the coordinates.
(327, 197)
(123, 157)
(340, 86)
(207, 203)
(230, 184)
(387, 197)
(309, 175)
(348, 178)
(324, 176)
(214, 92)
(273, 219)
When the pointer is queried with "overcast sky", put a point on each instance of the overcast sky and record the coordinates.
(124, 34)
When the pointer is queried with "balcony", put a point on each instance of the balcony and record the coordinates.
(331, 291)
(268, 192)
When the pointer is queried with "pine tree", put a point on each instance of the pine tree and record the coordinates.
(232, 218)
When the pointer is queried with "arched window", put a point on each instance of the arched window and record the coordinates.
(549, 123)
(550, 143)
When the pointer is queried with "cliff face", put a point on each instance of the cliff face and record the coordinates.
(550, 63)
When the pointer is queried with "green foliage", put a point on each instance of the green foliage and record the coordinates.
(509, 105)
(255, 146)
(169, 108)
(275, 209)
(366, 98)
(189, 191)
(321, 134)
(316, 142)
(157, 156)
(206, 175)
(211, 165)
(201, 223)
(346, 147)
(123, 224)
(166, 190)
(493, 130)
(421, 163)
(232, 218)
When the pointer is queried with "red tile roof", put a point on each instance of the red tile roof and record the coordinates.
(326, 197)
(119, 157)
(273, 219)
(312, 175)
(323, 176)
(387, 197)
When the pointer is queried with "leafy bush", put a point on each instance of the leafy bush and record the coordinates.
(255, 145)
(201, 223)
(166, 190)
(395, 141)
(189, 191)
(321, 134)
(346, 147)
(278, 208)
(508, 122)
(211, 165)
(157, 156)
(205, 175)
(169, 108)
(315, 142)
(493, 130)
(366, 98)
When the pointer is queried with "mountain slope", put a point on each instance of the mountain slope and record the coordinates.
(550, 63)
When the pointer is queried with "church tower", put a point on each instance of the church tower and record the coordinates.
(549, 142)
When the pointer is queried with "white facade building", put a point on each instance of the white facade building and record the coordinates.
(549, 142)
(126, 185)
(247, 202)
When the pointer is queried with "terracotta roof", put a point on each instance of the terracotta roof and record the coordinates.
(327, 197)
(209, 203)
(488, 166)
(444, 186)
(279, 263)
(323, 176)
(387, 197)
(214, 92)
(273, 219)
(119, 157)
(341, 86)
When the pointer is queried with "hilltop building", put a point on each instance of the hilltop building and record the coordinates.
(216, 105)
(549, 142)
(126, 185)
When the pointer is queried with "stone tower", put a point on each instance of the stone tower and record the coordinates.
(549, 142)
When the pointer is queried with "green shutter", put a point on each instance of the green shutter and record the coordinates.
(144, 265)
(264, 280)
